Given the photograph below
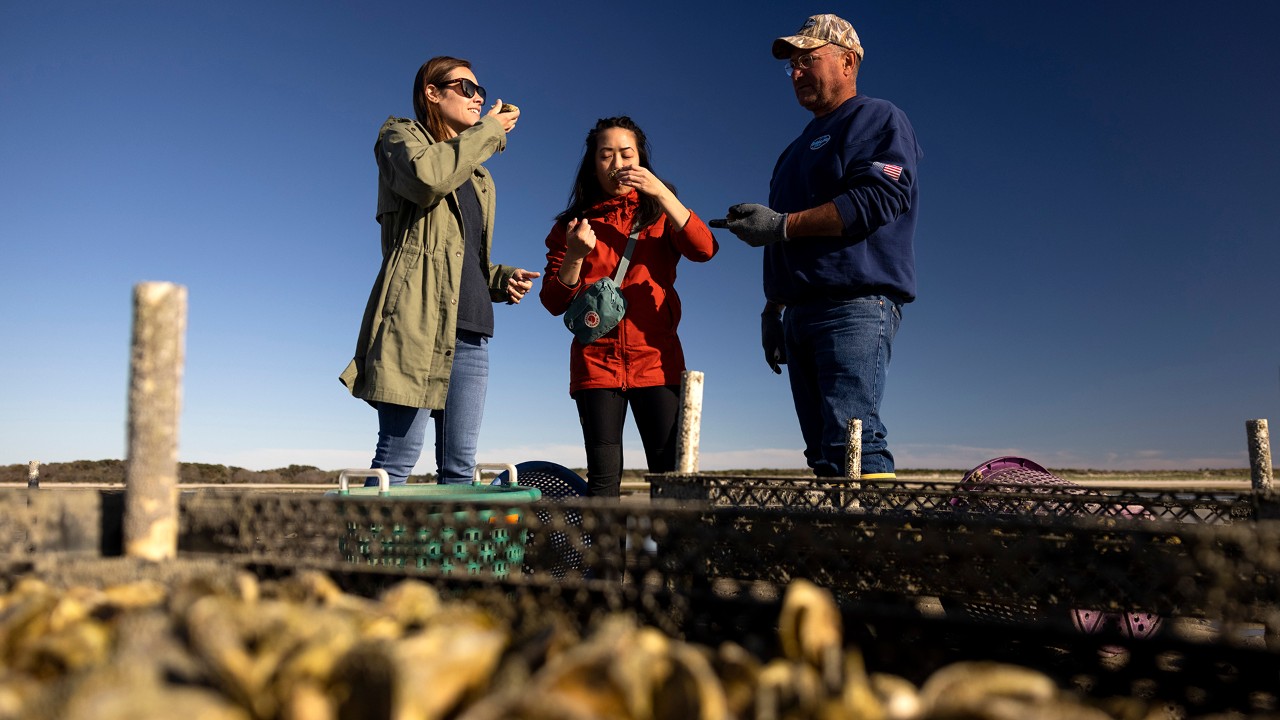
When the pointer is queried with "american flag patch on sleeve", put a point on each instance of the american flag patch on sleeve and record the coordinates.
(893, 171)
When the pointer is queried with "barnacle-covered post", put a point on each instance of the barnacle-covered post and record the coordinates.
(853, 451)
(1259, 454)
(155, 401)
(690, 422)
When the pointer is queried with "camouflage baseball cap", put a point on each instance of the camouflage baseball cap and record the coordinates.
(817, 31)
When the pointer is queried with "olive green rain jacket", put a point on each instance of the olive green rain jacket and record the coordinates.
(404, 354)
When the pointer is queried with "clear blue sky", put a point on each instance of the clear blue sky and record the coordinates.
(1098, 246)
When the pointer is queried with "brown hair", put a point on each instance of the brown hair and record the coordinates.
(433, 72)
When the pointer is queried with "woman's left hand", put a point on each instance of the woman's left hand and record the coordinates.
(520, 284)
(641, 179)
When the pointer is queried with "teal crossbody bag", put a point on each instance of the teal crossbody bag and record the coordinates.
(597, 310)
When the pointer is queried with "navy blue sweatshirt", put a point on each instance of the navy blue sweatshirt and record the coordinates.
(862, 156)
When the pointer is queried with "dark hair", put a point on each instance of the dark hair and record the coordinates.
(587, 191)
(433, 72)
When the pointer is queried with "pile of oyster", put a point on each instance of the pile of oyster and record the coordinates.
(234, 647)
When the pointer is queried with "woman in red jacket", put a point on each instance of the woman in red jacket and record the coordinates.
(640, 362)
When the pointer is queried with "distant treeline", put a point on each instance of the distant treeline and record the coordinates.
(112, 471)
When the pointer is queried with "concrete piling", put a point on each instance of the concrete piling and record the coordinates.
(155, 403)
(1259, 454)
(853, 451)
(690, 422)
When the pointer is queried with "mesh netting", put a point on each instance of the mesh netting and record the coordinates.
(897, 566)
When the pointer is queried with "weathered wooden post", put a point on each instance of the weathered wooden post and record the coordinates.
(690, 422)
(155, 402)
(853, 451)
(33, 474)
(1259, 454)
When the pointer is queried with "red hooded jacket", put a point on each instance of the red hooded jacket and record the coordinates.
(643, 351)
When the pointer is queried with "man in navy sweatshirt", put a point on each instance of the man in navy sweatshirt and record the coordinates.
(838, 247)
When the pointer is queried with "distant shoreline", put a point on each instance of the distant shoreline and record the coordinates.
(111, 473)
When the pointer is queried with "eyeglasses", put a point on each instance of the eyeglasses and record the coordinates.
(465, 86)
(804, 62)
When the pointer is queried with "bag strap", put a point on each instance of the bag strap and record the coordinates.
(625, 262)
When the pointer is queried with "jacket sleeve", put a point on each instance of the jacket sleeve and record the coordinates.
(424, 171)
(498, 277)
(879, 179)
(694, 240)
(554, 294)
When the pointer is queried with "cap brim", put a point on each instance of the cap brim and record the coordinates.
(784, 46)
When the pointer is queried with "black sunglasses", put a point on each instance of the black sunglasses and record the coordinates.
(465, 86)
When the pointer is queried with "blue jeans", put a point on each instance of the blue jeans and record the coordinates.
(402, 430)
(837, 359)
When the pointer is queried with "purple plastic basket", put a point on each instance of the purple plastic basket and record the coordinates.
(1019, 475)
(1010, 470)
(1011, 474)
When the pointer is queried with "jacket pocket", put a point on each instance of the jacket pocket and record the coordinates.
(400, 269)
(397, 278)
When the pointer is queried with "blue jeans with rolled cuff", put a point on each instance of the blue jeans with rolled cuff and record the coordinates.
(837, 362)
(402, 430)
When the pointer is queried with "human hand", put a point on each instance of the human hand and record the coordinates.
(756, 225)
(580, 239)
(640, 178)
(775, 351)
(520, 284)
(508, 118)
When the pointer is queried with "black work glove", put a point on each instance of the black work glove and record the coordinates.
(756, 225)
(775, 352)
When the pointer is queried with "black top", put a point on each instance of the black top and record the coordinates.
(475, 307)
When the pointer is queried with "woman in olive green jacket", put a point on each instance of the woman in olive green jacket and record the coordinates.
(423, 346)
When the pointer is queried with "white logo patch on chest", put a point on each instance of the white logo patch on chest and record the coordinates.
(819, 142)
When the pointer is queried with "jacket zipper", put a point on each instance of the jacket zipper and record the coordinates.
(622, 329)
(622, 353)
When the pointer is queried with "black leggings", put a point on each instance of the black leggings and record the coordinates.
(602, 413)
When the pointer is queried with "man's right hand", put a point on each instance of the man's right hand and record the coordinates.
(756, 225)
(775, 352)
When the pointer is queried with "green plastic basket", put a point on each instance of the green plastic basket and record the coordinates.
(476, 542)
